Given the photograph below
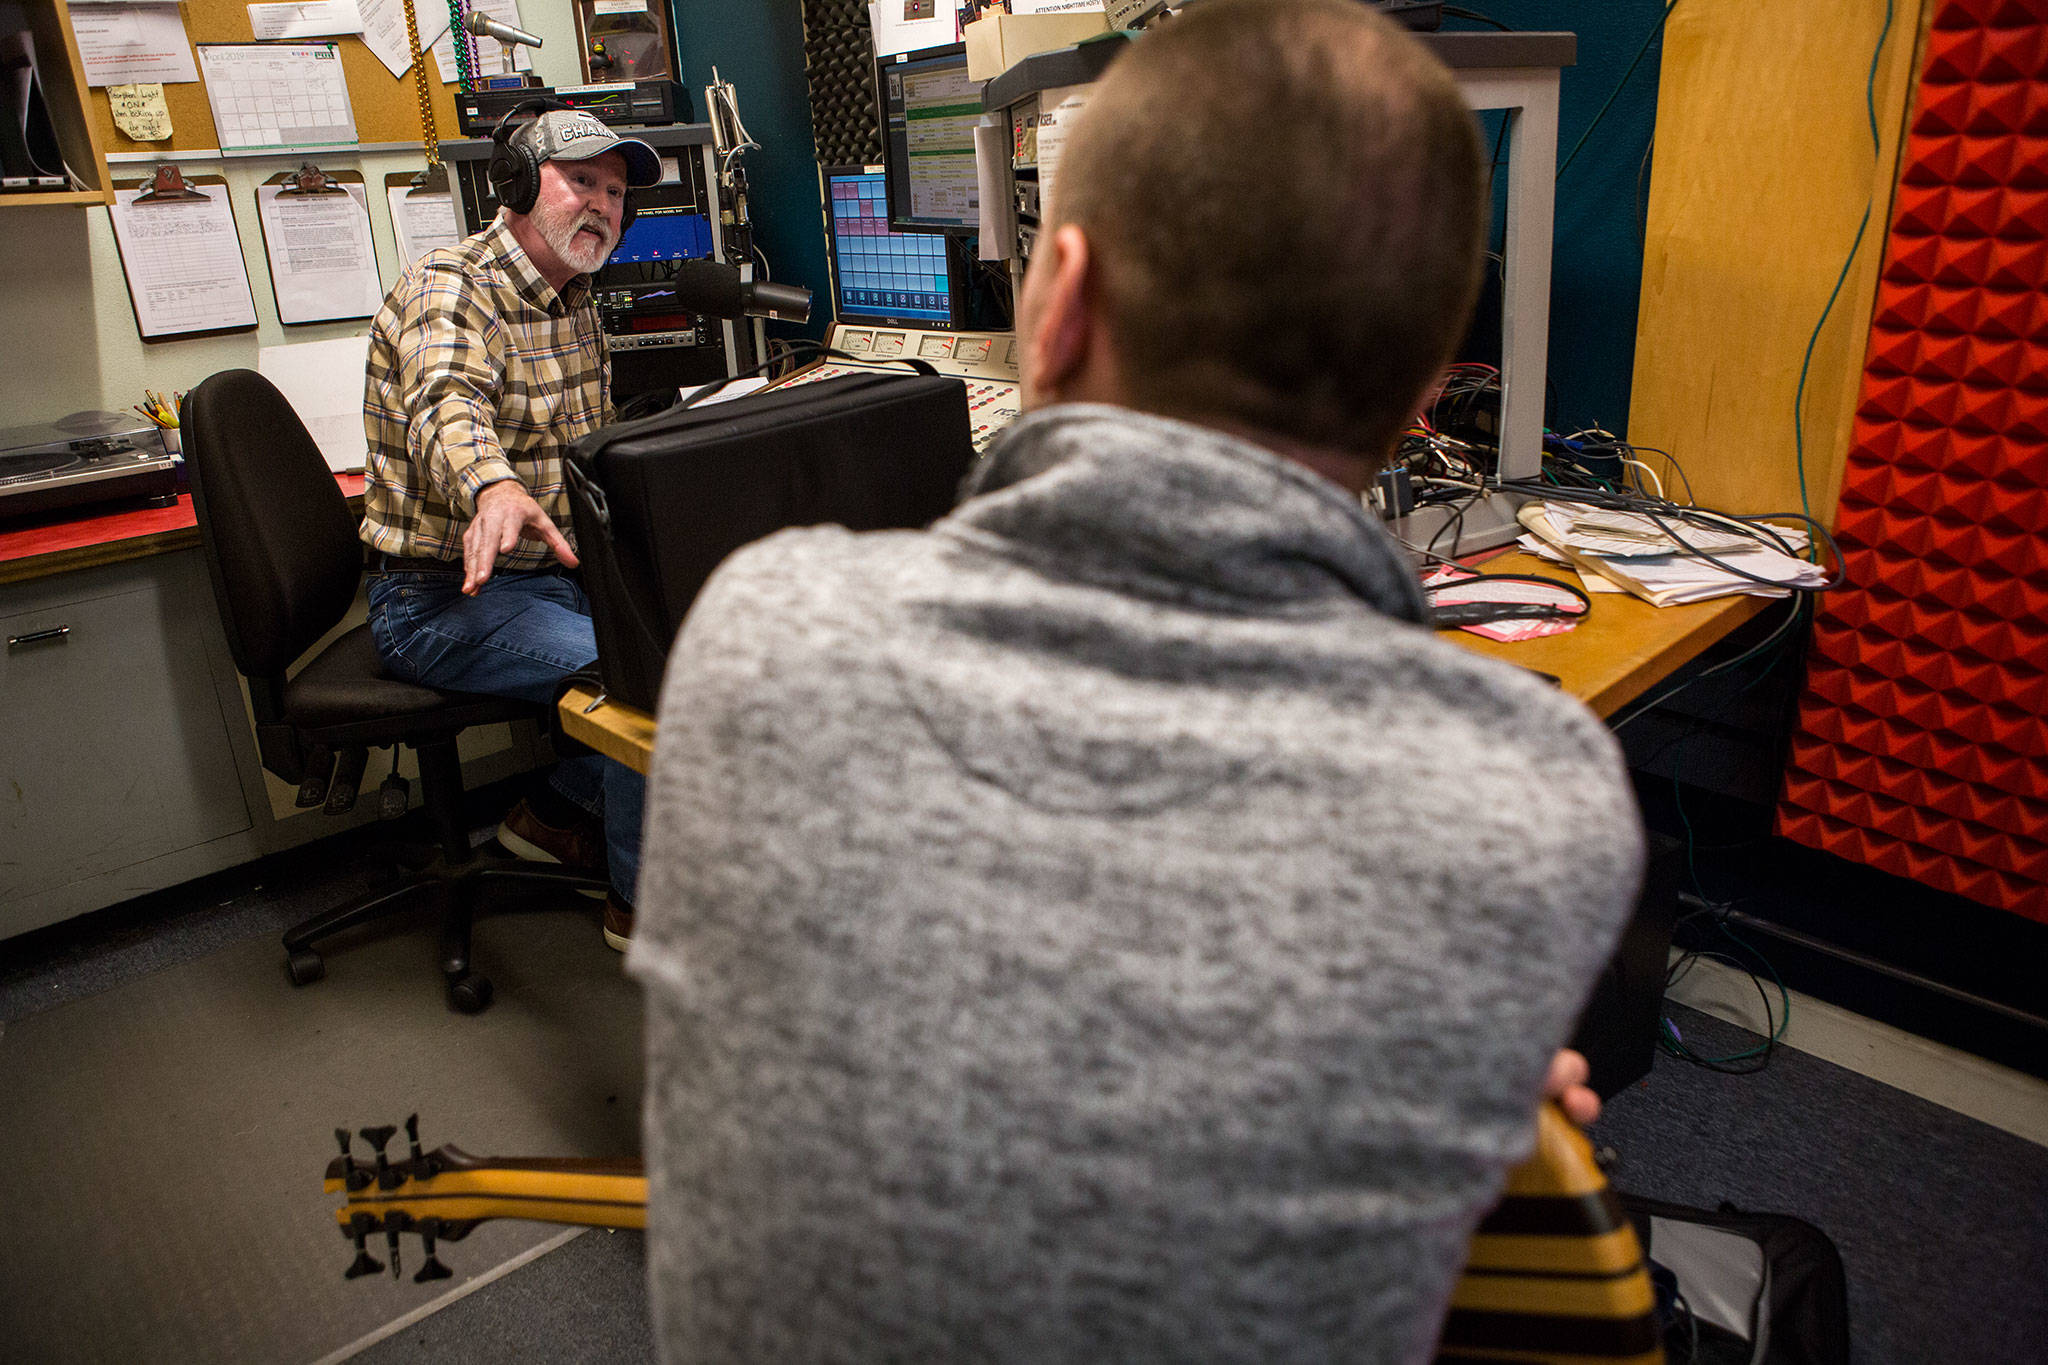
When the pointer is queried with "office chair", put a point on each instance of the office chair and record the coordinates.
(281, 549)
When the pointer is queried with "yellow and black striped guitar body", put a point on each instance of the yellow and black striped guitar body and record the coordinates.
(1555, 1275)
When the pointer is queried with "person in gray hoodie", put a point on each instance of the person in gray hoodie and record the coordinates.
(1108, 925)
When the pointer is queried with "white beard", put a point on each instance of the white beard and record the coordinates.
(559, 231)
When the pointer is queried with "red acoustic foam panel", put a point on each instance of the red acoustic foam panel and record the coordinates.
(1921, 745)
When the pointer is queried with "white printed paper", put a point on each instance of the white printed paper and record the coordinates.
(899, 28)
(998, 203)
(421, 222)
(384, 30)
(304, 19)
(323, 381)
(1062, 107)
(123, 44)
(183, 262)
(489, 52)
(278, 96)
(323, 265)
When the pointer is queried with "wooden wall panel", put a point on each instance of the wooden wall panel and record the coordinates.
(1763, 167)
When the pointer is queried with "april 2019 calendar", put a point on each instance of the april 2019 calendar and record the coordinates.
(277, 95)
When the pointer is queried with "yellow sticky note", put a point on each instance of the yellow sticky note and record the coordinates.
(140, 111)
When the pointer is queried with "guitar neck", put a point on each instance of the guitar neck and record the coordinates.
(468, 1189)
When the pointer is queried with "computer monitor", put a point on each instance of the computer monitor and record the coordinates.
(664, 234)
(928, 111)
(880, 275)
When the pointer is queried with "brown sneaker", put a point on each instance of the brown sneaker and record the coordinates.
(579, 846)
(618, 923)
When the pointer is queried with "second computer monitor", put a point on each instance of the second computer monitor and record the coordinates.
(881, 275)
(929, 109)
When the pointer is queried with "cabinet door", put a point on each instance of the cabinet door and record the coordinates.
(112, 745)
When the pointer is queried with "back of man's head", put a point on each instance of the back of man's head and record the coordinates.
(1284, 201)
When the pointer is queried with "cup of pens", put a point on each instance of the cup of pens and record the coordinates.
(163, 415)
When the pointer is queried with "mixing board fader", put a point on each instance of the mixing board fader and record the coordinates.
(987, 361)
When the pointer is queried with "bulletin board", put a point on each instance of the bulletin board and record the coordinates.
(386, 107)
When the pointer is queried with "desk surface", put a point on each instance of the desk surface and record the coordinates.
(59, 544)
(1620, 651)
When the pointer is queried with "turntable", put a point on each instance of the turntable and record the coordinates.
(88, 457)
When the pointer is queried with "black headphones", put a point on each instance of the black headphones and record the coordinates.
(514, 168)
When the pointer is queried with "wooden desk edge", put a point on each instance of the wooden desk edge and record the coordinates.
(624, 734)
(52, 562)
(108, 541)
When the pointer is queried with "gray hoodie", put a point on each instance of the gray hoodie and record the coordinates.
(1105, 926)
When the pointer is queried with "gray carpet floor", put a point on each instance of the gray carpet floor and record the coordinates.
(1942, 1221)
(162, 1139)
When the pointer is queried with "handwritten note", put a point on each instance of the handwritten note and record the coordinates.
(140, 112)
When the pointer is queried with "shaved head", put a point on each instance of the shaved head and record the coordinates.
(1284, 203)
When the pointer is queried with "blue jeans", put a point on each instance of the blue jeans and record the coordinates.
(519, 637)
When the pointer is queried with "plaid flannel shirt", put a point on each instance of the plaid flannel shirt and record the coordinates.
(478, 371)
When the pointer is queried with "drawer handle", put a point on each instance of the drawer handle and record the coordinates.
(36, 637)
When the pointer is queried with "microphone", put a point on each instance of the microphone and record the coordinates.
(716, 290)
(484, 26)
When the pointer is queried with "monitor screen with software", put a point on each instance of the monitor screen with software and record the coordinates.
(928, 111)
(880, 275)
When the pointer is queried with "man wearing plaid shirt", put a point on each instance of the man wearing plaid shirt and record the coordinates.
(486, 362)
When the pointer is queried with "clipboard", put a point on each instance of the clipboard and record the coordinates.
(309, 180)
(181, 256)
(418, 222)
(317, 240)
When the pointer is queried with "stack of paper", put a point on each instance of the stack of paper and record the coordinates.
(1663, 567)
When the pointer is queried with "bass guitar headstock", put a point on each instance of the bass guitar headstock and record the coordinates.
(440, 1196)
(382, 1197)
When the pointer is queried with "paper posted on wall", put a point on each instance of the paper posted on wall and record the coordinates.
(323, 381)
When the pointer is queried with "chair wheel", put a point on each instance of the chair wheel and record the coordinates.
(304, 967)
(470, 993)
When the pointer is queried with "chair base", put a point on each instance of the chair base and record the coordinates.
(459, 889)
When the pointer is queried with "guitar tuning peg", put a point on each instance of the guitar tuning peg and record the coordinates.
(341, 1135)
(429, 1229)
(378, 1137)
(360, 1227)
(391, 1242)
(412, 1135)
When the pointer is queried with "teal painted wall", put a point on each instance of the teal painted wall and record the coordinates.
(1597, 260)
(758, 45)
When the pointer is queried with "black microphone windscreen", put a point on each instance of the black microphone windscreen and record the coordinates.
(708, 287)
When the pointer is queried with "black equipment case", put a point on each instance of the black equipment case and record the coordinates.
(659, 502)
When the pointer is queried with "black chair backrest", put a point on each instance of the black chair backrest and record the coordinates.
(280, 542)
